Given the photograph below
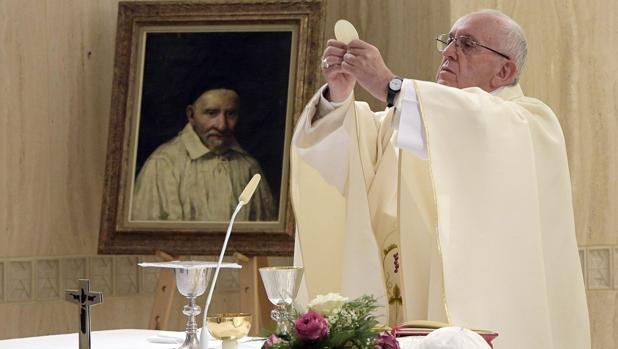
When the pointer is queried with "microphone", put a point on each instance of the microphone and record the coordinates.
(243, 199)
(247, 193)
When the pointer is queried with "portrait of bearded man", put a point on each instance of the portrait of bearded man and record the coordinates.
(199, 174)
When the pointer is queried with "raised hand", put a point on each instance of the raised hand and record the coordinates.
(364, 62)
(340, 83)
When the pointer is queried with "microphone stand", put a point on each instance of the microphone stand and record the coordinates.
(244, 199)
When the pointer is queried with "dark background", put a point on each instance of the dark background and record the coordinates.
(256, 63)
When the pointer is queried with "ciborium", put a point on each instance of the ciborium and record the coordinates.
(282, 284)
(229, 328)
(192, 278)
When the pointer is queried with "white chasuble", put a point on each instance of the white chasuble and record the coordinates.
(486, 233)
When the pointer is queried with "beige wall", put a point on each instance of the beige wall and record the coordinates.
(56, 63)
(56, 68)
(56, 60)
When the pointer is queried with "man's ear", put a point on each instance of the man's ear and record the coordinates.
(189, 113)
(505, 75)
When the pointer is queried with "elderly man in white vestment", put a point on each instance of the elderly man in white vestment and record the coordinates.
(199, 174)
(452, 205)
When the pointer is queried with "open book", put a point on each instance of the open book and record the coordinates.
(424, 327)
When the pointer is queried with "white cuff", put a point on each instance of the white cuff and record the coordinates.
(411, 135)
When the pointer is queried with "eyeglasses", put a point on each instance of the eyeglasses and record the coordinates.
(465, 43)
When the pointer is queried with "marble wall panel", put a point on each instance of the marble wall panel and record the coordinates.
(19, 281)
(599, 268)
(102, 274)
(126, 278)
(47, 279)
(2, 282)
(73, 269)
(582, 261)
(615, 267)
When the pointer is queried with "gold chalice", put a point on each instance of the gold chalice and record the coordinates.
(229, 328)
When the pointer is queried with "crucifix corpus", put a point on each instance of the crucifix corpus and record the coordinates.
(84, 298)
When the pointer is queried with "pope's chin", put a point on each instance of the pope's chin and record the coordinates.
(445, 77)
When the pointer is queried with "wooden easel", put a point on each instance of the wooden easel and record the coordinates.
(253, 298)
(164, 295)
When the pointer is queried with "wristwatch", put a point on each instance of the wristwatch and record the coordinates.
(393, 88)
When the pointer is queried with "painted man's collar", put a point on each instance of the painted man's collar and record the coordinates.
(194, 145)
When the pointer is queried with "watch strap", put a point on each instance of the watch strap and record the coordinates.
(390, 93)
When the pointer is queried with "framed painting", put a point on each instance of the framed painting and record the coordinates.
(206, 95)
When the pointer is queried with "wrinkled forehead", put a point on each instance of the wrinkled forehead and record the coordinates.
(482, 27)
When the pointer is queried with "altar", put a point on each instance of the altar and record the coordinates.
(117, 339)
(142, 339)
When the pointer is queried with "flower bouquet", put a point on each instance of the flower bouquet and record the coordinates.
(333, 321)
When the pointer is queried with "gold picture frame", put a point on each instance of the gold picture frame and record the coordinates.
(269, 50)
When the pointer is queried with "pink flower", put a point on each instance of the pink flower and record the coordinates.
(311, 325)
(387, 340)
(272, 340)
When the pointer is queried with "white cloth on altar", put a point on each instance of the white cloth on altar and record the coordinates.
(131, 339)
(453, 338)
(116, 339)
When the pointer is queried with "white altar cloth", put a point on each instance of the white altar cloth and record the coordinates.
(112, 339)
(131, 339)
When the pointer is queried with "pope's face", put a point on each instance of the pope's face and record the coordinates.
(478, 67)
(214, 116)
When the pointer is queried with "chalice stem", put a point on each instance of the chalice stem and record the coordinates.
(191, 310)
(282, 317)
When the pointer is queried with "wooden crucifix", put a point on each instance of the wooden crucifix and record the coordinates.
(84, 298)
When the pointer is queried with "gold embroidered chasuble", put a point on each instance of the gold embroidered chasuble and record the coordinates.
(484, 227)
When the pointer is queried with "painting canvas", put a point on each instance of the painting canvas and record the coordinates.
(179, 68)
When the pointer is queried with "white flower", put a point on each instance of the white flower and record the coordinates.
(327, 304)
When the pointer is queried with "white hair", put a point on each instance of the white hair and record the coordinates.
(513, 43)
